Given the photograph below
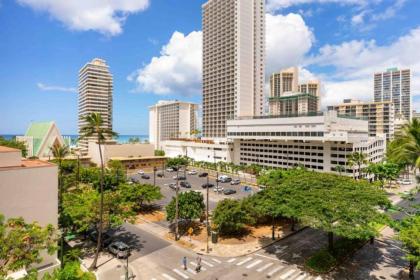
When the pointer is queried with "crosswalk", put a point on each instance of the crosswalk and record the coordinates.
(256, 266)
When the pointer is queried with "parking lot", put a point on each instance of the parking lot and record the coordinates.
(196, 185)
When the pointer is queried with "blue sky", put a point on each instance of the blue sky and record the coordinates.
(154, 52)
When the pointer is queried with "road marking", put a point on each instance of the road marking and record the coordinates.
(207, 263)
(180, 273)
(301, 277)
(267, 257)
(166, 276)
(216, 260)
(231, 260)
(194, 264)
(191, 271)
(254, 263)
(287, 274)
(318, 278)
(244, 261)
(264, 267)
(274, 270)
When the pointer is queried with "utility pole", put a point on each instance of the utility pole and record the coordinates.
(217, 171)
(207, 214)
(176, 206)
(154, 176)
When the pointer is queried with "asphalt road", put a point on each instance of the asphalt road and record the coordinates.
(196, 183)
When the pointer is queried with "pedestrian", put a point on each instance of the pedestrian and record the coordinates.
(184, 262)
(198, 268)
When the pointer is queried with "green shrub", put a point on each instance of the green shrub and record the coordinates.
(322, 261)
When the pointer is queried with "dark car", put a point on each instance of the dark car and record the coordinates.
(172, 186)
(106, 237)
(203, 174)
(180, 177)
(185, 184)
(119, 249)
(229, 192)
(144, 176)
(209, 185)
(134, 180)
(159, 174)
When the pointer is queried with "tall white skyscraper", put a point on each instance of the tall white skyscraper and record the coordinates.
(233, 62)
(394, 85)
(95, 95)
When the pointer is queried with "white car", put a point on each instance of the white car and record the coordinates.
(192, 172)
(169, 170)
(140, 172)
(405, 182)
(218, 189)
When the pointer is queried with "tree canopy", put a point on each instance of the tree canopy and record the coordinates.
(409, 234)
(177, 161)
(21, 243)
(138, 194)
(231, 216)
(191, 206)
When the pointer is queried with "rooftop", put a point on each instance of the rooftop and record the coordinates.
(28, 164)
(4, 149)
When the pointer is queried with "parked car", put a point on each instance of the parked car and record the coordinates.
(229, 191)
(185, 184)
(203, 174)
(106, 237)
(224, 179)
(140, 172)
(404, 182)
(192, 172)
(172, 186)
(218, 189)
(144, 176)
(170, 169)
(134, 180)
(119, 249)
(159, 174)
(179, 177)
(209, 185)
(235, 182)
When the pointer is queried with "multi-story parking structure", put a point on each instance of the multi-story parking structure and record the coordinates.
(320, 142)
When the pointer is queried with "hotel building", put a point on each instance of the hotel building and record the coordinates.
(233, 62)
(29, 189)
(172, 119)
(380, 115)
(284, 81)
(394, 85)
(95, 95)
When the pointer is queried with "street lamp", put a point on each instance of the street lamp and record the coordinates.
(217, 171)
(207, 214)
(176, 204)
(126, 268)
(154, 176)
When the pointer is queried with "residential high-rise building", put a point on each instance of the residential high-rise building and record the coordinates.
(284, 81)
(288, 97)
(293, 104)
(233, 62)
(380, 115)
(172, 119)
(394, 85)
(95, 95)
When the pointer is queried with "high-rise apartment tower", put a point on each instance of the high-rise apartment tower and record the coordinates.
(95, 95)
(394, 85)
(233, 62)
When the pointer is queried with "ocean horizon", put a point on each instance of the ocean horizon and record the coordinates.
(121, 139)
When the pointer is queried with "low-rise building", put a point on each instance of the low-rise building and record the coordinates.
(28, 189)
(380, 115)
(199, 150)
(132, 156)
(320, 142)
(40, 137)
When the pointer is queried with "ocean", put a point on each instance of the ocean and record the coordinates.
(122, 139)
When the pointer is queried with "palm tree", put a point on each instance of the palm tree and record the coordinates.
(357, 159)
(406, 147)
(59, 153)
(339, 168)
(95, 128)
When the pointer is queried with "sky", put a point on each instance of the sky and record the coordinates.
(154, 50)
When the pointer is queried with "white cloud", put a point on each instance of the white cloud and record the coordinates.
(178, 68)
(45, 87)
(288, 39)
(354, 63)
(104, 16)
(273, 5)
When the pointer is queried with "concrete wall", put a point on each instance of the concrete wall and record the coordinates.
(11, 157)
(31, 193)
(119, 150)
